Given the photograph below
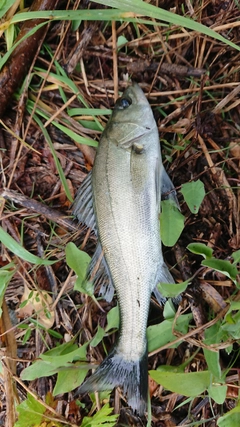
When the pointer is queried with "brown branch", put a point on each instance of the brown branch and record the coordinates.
(17, 66)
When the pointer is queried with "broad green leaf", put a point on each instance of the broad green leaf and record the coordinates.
(38, 369)
(161, 334)
(171, 223)
(78, 354)
(18, 250)
(231, 418)
(187, 384)
(79, 260)
(193, 193)
(113, 319)
(54, 359)
(169, 368)
(231, 324)
(225, 267)
(234, 305)
(69, 379)
(200, 249)
(30, 413)
(102, 418)
(98, 337)
(211, 356)
(171, 290)
(121, 41)
(169, 310)
(236, 256)
(218, 393)
(65, 348)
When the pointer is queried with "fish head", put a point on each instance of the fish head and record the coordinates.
(132, 118)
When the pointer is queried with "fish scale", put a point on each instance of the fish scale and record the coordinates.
(122, 205)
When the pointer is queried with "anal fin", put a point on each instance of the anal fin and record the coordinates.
(98, 273)
(164, 276)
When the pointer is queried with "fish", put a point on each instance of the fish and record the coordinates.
(120, 201)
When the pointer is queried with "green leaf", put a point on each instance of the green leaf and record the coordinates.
(231, 418)
(52, 360)
(236, 257)
(9, 36)
(79, 260)
(18, 250)
(89, 112)
(98, 337)
(79, 353)
(161, 334)
(171, 223)
(225, 267)
(187, 384)
(30, 413)
(212, 356)
(193, 193)
(38, 369)
(113, 319)
(200, 249)
(121, 41)
(169, 368)
(77, 138)
(69, 378)
(171, 290)
(4, 6)
(231, 324)
(218, 393)
(169, 311)
(101, 418)
(146, 9)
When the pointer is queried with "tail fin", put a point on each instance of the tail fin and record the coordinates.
(116, 371)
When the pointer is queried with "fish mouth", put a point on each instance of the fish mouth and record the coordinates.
(136, 93)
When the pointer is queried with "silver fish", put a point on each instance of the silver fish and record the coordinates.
(120, 201)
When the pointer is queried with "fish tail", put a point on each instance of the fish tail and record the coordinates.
(115, 371)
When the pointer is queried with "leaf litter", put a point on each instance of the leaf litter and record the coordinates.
(192, 82)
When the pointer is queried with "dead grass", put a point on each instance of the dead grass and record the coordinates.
(193, 84)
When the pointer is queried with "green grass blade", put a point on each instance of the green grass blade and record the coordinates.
(151, 11)
(21, 252)
(57, 163)
(84, 15)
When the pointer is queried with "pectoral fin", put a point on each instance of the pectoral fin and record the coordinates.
(167, 189)
(83, 204)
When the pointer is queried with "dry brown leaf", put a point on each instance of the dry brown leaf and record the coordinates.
(37, 303)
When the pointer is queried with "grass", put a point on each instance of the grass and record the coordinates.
(45, 156)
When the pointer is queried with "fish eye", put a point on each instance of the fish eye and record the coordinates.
(123, 103)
